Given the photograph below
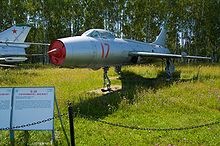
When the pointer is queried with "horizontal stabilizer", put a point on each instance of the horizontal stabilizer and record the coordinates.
(162, 55)
(24, 43)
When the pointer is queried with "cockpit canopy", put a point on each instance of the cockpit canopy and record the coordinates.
(99, 33)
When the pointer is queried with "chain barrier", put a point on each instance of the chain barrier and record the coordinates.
(29, 124)
(33, 123)
(149, 129)
(115, 124)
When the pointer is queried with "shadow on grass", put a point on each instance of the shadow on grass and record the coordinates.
(102, 106)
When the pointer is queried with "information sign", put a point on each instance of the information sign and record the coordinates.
(5, 107)
(32, 105)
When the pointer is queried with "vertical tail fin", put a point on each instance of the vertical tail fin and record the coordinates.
(161, 38)
(16, 33)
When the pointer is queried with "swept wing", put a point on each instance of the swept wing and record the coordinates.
(163, 55)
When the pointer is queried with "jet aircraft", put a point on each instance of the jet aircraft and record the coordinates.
(98, 48)
(12, 45)
(10, 52)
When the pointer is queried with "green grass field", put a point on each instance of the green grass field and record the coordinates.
(146, 100)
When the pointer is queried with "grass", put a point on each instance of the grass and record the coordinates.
(146, 100)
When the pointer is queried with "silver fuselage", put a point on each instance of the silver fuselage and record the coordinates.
(83, 51)
(13, 50)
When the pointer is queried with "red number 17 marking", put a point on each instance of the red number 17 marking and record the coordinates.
(105, 46)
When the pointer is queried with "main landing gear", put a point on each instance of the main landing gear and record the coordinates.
(170, 68)
(118, 71)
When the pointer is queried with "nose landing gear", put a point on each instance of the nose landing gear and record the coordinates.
(107, 82)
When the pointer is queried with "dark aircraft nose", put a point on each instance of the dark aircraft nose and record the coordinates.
(57, 52)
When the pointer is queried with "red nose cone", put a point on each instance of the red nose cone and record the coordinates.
(57, 52)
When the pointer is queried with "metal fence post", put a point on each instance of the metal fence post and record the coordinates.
(71, 122)
(12, 138)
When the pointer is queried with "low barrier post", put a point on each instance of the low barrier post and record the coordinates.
(71, 122)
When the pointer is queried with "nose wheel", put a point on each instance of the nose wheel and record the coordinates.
(107, 82)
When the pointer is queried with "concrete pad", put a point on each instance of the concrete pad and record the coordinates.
(114, 88)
